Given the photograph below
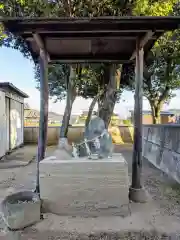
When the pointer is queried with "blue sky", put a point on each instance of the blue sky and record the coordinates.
(18, 70)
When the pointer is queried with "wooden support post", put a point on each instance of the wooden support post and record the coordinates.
(43, 122)
(137, 192)
(137, 150)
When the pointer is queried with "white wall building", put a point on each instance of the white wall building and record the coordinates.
(11, 117)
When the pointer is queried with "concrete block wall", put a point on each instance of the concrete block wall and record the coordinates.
(75, 134)
(161, 146)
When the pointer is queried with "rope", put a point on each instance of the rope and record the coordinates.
(97, 137)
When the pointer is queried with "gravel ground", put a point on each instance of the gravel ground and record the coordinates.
(161, 188)
(164, 190)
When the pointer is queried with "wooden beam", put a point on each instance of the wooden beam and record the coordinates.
(44, 97)
(43, 122)
(97, 57)
(17, 25)
(137, 150)
(92, 32)
(143, 42)
(82, 61)
(87, 34)
(41, 45)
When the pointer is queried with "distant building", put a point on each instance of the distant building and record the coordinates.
(115, 120)
(166, 117)
(11, 117)
(32, 116)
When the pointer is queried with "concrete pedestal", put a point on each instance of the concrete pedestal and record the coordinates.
(85, 187)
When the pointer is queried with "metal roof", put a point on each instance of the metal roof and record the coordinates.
(11, 87)
(90, 39)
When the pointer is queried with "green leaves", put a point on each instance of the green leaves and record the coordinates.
(85, 83)
(154, 8)
(161, 72)
(162, 67)
(2, 34)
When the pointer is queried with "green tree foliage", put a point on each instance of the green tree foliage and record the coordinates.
(176, 9)
(88, 82)
(33, 8)
(58, 76)
(153, 7)
(56, 8)
(167, 45)
(2, 35)
(22, 8)
(161, 68)
(162, 74)
(62, 85)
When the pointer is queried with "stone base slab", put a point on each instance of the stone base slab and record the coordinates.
(85, 187)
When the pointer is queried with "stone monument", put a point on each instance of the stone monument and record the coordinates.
(97, 141)
(93, 182)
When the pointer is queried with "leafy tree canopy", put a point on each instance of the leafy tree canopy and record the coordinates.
(165, 47)
(154, 7)
(33, 8)
(162, 65)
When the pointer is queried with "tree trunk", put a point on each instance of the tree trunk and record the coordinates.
(67, 116)
(156, 110)
(108, 99)
(99, 105)
(93, 103)
(71, 95)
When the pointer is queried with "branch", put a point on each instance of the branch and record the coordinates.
(124, 7)
(67, 7)
(57, 1)
(79, 71)
(147, 76)
(164, 95)
(167, 88)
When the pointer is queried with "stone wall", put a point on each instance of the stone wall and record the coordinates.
(75, 134)
(162, 148)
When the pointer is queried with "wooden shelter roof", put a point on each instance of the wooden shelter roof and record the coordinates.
(90, 39)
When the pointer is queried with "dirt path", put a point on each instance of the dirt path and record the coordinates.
(163, 190)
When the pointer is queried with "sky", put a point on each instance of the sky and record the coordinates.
(19, 71)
